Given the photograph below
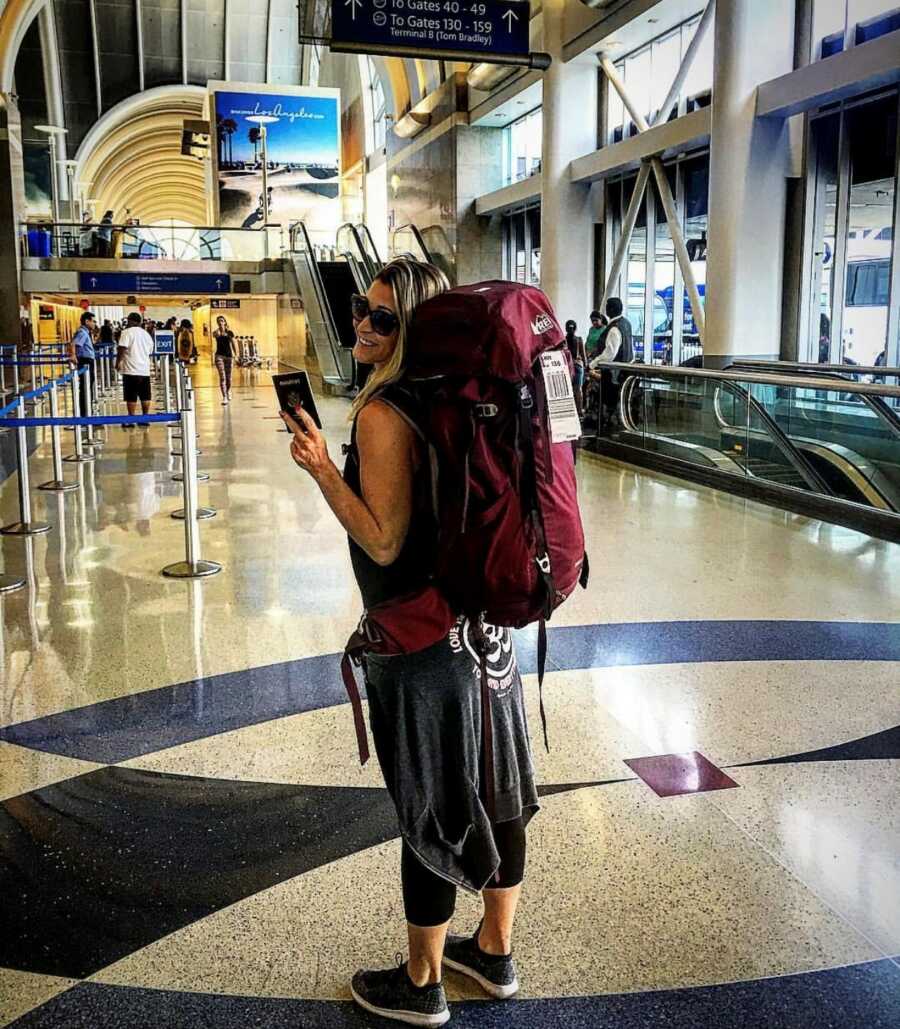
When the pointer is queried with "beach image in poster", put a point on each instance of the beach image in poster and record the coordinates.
(302, 148)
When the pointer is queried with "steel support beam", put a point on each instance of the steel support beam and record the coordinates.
(139, 29)
(686, 63)
(668, 200)
(95, 38)
(628, 224)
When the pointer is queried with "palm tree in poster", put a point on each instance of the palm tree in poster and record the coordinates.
(229, 127)
(254, 135)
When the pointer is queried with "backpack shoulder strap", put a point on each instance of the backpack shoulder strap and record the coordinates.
(402, 400)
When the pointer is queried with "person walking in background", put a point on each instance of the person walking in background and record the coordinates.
(225, 353)
(83, 355)
(186, 342)
(593, 344)
(579, 363)
(104, 235)
(86, 238)
(133, 364)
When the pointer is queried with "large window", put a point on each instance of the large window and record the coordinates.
(648, 74)
(839, 24)
(374, 104)
(522, 141)
(651, 285)
(522, 246)
(853, 304)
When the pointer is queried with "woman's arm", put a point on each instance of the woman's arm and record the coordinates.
(379, 520)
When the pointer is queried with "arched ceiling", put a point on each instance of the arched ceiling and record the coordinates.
(133, 162)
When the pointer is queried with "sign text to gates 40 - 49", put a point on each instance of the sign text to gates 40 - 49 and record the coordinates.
(488, 26)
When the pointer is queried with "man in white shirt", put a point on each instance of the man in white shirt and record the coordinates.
(133, 364)
(617, 346)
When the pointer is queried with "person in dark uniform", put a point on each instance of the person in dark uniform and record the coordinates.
(619, 347)
(425, 708)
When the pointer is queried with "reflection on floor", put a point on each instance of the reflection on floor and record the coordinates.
(187, 839)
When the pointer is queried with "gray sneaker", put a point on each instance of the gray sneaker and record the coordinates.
(495, 975)
(392, 994)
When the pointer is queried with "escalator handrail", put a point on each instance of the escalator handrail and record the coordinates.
(799, 461)
(373, 250)
(887, 371)
(802, 465)
(875, 403)
(417, 236)
(773, 379)
(322, 297)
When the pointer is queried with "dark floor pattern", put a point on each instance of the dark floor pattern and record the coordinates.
(98, 866)
(857, 997)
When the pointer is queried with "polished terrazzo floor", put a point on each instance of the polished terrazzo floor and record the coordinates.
(186, 838)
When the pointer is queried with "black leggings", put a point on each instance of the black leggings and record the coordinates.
(429, 900)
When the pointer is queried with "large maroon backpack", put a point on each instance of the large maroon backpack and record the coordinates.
(511, 543)
(488, 374)
(511, 539)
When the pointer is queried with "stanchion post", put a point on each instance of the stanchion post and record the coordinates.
(57, 484)
(79, 456)
(24, 526)
(90, 439)
(167, 397)
(193, 567)
(16, 389)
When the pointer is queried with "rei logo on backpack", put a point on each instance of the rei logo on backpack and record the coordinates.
(511, 543)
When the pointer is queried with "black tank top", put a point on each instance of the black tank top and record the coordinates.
(415, 563)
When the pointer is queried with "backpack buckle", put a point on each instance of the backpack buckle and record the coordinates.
(486, 410)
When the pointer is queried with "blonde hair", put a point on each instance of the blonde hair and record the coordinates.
(413, 282)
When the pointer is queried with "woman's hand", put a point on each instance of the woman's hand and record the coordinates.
(308, 448)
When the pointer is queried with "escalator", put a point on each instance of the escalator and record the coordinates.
(356, 246)
(430, 245)
(828, 447)
(326, 284)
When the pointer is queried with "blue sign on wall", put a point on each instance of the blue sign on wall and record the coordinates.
(164, 342)
(139, 282)
(483, 26)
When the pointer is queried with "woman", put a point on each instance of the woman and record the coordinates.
(425, 707)
(226, 352)
(579, 363)
(185, 341)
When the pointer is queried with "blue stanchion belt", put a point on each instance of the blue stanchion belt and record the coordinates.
(107, 419)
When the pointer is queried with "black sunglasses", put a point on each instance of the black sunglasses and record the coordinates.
(384, 322)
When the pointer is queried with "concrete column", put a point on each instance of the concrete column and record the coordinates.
(567, 213)
(12, 206)
(749, 163)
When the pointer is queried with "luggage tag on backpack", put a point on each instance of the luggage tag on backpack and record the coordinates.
(565, 425)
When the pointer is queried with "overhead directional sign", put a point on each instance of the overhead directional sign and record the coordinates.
(480, 26)
(137, 282)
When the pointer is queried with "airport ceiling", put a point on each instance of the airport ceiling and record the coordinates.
(108, 50)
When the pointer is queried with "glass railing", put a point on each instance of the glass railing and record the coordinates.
(151, 242)
(832, 438)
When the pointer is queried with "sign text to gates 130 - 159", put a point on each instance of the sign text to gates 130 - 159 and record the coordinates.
(488, 26)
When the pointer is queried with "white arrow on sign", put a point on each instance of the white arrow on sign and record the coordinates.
(93, 282)
(218, 283)
(512, 16)
(353, 5)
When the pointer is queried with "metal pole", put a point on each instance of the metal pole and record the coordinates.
(167, 399)
(631, 217)
(90, 440)
(3, 389)
(265, 180)
(57, 484)
(16, 372)
(24, 526)
(79, 456)
(691, 52)
(193, 567)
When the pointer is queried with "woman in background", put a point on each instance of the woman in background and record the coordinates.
(225, 353)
